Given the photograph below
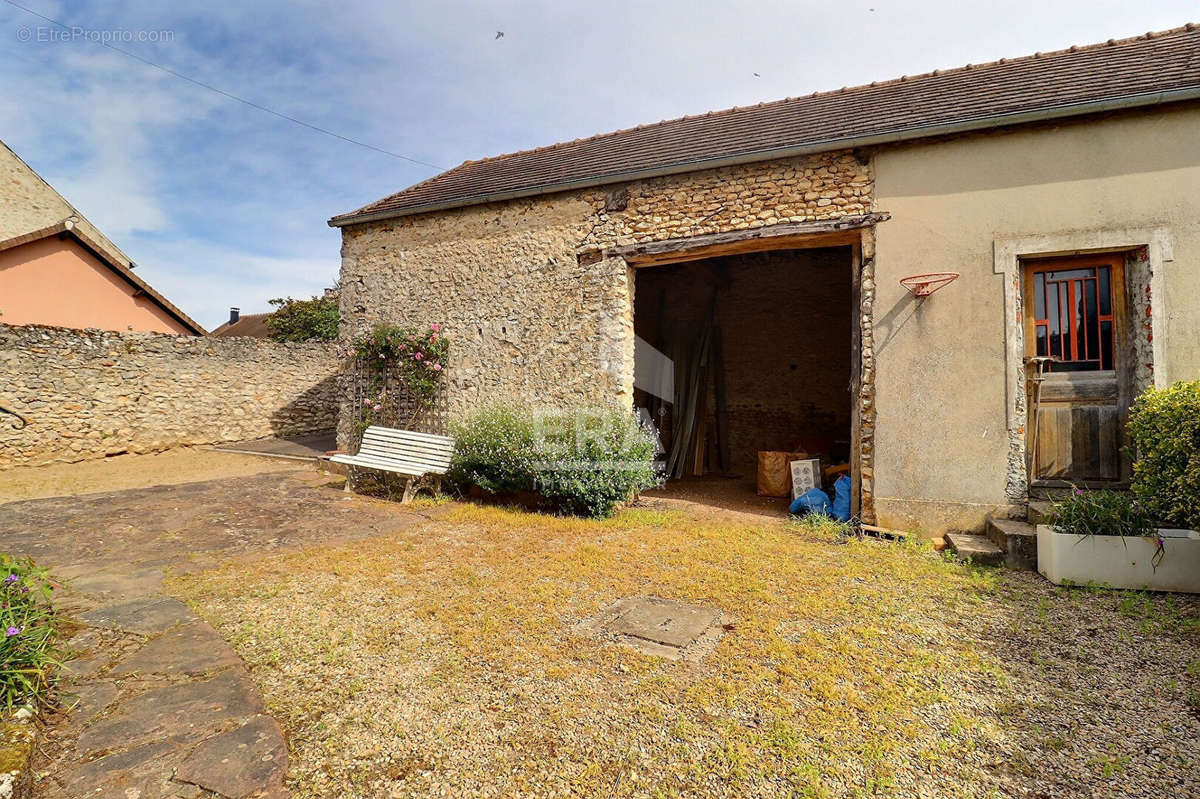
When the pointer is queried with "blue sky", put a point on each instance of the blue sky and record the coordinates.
(221, 204)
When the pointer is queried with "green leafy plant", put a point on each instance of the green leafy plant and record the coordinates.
(580, 461)
(1164, 433)
(1102, 513)
(315, 319)
(28, 652)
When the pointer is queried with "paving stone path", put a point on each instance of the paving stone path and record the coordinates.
(158, 705)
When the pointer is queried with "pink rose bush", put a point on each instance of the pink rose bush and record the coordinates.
(413, 357)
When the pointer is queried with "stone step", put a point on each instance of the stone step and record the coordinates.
(1038, 512)
(1017, 539)
(977, 548)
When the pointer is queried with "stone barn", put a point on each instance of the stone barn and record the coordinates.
(776, 251)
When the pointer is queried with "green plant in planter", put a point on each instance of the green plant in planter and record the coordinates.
(1164, 434)
(1102, 513)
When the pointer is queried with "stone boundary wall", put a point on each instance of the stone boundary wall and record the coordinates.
(92, 393)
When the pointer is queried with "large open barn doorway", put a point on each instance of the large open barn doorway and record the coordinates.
(743, 354)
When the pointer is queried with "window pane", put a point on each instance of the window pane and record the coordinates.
(1080, 324)
(1055, 343)
(1041, 340)
(1064, 320)
(1106, 345)
(1093, 329)
(1052, 309)
(1071, 274)
(1039, 296)
(1105, 292)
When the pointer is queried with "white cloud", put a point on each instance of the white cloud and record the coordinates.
(232, 277)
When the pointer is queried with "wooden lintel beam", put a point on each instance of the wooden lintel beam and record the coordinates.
(818, 233)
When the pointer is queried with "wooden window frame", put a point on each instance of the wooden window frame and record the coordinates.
(1116, 286)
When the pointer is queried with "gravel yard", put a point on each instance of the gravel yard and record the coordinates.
(120, 472)
(447, 659)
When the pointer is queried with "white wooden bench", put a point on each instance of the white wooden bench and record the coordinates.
(414, 455)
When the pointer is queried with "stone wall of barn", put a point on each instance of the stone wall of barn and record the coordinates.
(531, 321)
(91, 393)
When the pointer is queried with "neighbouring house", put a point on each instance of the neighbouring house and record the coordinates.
(253, 325)
(57, 269)
(762, 251)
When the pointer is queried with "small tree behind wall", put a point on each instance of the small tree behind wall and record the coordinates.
(315, 319)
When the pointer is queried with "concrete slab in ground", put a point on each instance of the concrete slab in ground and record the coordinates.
(310, 446)
(664, 621)
(663, 627)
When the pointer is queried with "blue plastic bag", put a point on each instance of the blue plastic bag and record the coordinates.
(812, 501)
(841, 499)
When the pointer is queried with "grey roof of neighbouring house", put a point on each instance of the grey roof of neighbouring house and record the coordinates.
(1153, 69)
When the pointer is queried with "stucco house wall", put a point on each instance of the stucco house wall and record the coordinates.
(945, 383)
(28, 203)
(98, 297)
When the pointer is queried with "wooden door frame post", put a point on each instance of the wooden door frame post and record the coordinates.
(855, 387)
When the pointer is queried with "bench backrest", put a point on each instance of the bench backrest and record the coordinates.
(421, 449)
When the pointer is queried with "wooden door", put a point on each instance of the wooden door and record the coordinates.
(1075, 315)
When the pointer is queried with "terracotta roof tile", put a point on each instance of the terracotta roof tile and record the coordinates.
(1140, 71)
(253, 325)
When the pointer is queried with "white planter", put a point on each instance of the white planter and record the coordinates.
(1121, 562)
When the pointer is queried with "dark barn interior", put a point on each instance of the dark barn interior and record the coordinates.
(759, 346)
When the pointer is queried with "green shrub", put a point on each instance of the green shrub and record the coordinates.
(27, 627)
(315, 319)
(1164, 433)
(1102, 513)
(580, 461)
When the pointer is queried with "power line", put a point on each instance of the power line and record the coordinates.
(224, 93)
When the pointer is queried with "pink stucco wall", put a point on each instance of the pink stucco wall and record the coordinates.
(55, 281)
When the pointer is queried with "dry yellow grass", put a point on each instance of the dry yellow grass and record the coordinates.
(443, 658)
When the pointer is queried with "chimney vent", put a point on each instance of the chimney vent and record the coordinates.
(234, 315)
